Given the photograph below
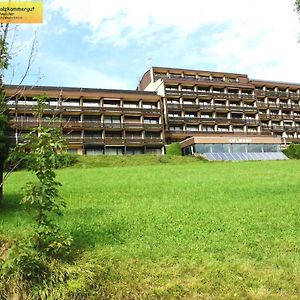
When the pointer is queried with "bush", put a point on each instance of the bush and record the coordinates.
(174, 149)
(293, 151)
(66, 160)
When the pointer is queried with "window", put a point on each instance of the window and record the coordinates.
(192, 128)
(238, 148)
(114, 151)
(254, 148)
(220, 148)
(149, 105)
(129, 104)
(150, 121)
(152, 135)
(208, 128)
(203, 148)
(270, 148)
(112, 119)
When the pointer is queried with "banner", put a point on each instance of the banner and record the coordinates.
(21, 12)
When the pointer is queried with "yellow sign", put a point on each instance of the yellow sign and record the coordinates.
(21, 12)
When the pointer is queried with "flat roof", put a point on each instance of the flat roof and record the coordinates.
(273, 82)
(76, 89)
(206, 71)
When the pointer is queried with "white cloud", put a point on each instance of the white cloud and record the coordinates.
(255, 37)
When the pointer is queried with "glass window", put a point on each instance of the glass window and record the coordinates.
(220, 148)
(254, 148)
(238, 148)
(203, 148)
(270, 148)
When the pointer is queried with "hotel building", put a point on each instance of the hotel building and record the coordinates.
(227, 111)
(93, 121)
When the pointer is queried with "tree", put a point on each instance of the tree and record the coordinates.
(4, 112)
(43, 145)
(297, 5)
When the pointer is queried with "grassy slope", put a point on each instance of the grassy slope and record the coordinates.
(220, 230)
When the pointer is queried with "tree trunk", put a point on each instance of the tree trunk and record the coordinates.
(1, 181)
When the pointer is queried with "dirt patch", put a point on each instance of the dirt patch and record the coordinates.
(4, 252)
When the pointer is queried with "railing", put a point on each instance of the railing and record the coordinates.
(200, 120)
(214, 95)
(204, 79)
(210, 106)
(215, 132)
(281, 128)
(112, 140)
(80, 108)
(277, 94)
(83, 124)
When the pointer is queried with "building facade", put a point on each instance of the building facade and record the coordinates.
(93, 121)
(169, 105)
(213, 103)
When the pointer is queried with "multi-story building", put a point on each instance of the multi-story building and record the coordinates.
(93, 121)
(193, 107)
(201, 102)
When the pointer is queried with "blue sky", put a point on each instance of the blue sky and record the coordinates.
(111, 44)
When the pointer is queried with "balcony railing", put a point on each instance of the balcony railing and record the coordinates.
(209, 106)
(215, 95)
(203, 79)
(280, 128)
(217, 120)
(212, 132)
(113, 140)
(278, 94)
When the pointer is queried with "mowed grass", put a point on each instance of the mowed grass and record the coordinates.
(189, 231)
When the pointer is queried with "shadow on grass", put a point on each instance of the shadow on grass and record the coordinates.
(11, 203)
(89, 232)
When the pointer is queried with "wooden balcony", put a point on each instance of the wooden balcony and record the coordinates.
(287, 117)
(117, 141)
(73, 140)
(129, 125)
(92, 109)
(112, 125)
(33, 123)
(209, 107)
(272, 94)
(275, 117)
(294, 96)
(261, 104)
(76, 109)
(264, 116)
(154, 141)
(92, 124)
(93, 140)
(72, 124)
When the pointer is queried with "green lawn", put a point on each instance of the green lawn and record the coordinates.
(195, 230)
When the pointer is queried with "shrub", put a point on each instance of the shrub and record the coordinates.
(293, 151)
(66, 160)
(174, 149)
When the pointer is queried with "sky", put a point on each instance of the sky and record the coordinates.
(111, 44)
